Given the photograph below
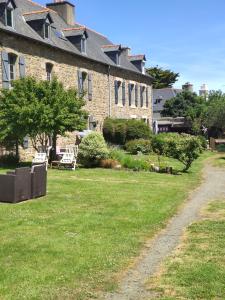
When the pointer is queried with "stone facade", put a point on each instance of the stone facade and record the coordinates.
(65, 67)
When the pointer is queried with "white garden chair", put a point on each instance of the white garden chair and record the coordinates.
(68, 160)
(40, 159)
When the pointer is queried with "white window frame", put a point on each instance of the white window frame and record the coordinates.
(12, 64)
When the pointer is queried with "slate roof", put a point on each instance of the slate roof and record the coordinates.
(27, 10)
(164, 95)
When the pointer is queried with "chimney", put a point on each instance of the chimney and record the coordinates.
(65, 10)
(188, 87)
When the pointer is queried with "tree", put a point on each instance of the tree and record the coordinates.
(183, 147)
(190, 106)
(162, 78)
(215, 117)
(40, 110)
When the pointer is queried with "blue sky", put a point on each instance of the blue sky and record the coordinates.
(186, 36)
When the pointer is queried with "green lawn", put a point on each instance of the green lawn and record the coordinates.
(198, 270)
(72, 243)
(219, 160)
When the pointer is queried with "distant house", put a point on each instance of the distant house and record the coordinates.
(168, 124)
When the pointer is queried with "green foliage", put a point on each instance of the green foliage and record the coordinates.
(162, 78)
(183, 147)
(119, 131)
(92, 149)
(190, 106)
(127, 161)
(139, 145)
(215, 117)
(9, 160)
(38, 108)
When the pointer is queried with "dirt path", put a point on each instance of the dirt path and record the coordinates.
(132, 286)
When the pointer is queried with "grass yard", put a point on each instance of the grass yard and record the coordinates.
(219, 160)
(73, 243)
(197, 270)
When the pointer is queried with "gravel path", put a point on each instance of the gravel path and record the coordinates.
(132, 286)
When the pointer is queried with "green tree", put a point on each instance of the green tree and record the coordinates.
(183, 147)
(40, 110)
(188, 105)
(162, 78)
(215, 117)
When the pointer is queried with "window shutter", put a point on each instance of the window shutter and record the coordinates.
(124, 93)
(141, 96)
(147, 97)
(90, 87)
(80, 85)
(136, 95)
(22, 66)
(129, 90)
(116, 91)
(5, 70)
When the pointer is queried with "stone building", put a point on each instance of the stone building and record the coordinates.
(41, 41)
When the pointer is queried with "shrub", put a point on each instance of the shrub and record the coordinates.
(203, 142)
(183, 147)
(141, 145)
(119, 131)
(9, 160)
(109, 163)
(92, 149)
(220, 148)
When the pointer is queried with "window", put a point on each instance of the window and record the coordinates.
(12, 67)
(118, 92)
(131, 95)
(143, 96)
(9, 16)
(49, 68)
(46, 30)
(83, 45)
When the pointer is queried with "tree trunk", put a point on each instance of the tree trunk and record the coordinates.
(54, 144)
(17, 150)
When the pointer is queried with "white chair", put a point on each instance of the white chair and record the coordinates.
(68, 160)
(40, 159)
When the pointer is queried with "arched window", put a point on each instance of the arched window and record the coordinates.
(49, 68)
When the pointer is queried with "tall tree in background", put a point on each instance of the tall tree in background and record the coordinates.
(162, 78)
(188, 105)
(215, 117)
(39, 110)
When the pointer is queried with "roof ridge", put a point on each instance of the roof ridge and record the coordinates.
(36, 12)
(74, 28)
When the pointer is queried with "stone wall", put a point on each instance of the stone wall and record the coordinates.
(65, 67)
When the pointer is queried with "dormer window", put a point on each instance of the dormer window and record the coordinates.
(83, 45)
(78, 37)
(113, 52)
(40, 21)
(139, 62)
(9, 13)
(9, 17)
(46, 30)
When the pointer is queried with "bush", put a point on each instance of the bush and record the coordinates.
(9, 160)
(220, 148)
(203, 142)
(92, 150)
(119, 131)
(141, 145)
(109, 163)
(183, 147)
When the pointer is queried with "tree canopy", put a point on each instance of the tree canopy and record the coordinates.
(163, 78)
(215, 117)
(189, 105)
(39, 109)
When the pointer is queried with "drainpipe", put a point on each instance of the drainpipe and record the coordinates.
(109, 89)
